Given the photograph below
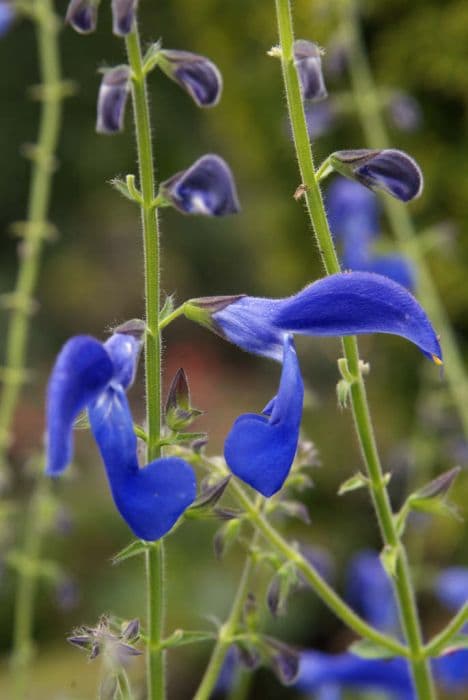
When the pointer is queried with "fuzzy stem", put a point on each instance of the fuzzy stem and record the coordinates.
(401, 580)
(373, 125)
(154, 555)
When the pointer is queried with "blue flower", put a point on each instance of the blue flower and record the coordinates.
(195, 74)
(207, 188)
(367, 586)
(93, 375)
(451, 587)
(388, 170)
(123, 16)
(350, 303)
(309, 67)
(82, 15)
(353, 215)
(7, 16)
(112, 98)
(260, 449)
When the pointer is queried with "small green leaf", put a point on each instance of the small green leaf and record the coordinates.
(366, 649)
(132, 550)
(121, 187)
(167, 308)
(181, 638)
(357, 481)
(389, 559)
(343, 392)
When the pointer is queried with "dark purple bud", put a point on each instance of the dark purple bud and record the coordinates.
(195, 74)
(284, 660)
(113, 94)
(179, 411)
(388, 170)
(211, 494)
(123, 16)
(82, 641)
(82, 15)
(307, 58)
(438, 487)
(206, 188)
(131, 631)
(248, 657)
(405, 112)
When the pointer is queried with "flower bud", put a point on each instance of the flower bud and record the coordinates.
(123, 16)
(388, 170)
(82, 15)
(195, 74)
(309, 67)
(113, 94)
(206, 188)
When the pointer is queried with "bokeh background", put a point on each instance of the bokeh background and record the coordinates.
(92, 279)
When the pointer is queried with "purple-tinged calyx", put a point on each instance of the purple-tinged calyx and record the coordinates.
(307, 59)
(112, 98)
(123, 16)
(195, 74)
(388, 170)
(82, 15)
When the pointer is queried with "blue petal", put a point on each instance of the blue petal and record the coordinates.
(451, 587)
(354, 303)
(370, 593)
(152, 499)
(451, 670)
(82, 371)
(248, 323)
(353, 212)
(195, 74)
(112, 98)
(259, 449)
(207, 188)
(123, 350)
(309, 67)
(348, 671)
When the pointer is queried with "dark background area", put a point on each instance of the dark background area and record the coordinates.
(92, 279)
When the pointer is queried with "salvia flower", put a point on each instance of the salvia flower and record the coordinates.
(93, 375)
(207, 187)
(82, 15)
(351, 303)
(389, 170)
(260, 449)
(195, 74)
(307, 59)
(353, 215)
(123, 16)
(112, 98)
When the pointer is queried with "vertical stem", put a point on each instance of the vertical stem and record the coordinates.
(368, 106)
(35, 226)
(362, 420)
(227, 631)
(155, 555)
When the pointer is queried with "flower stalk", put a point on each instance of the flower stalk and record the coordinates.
(373, 125)
(156, 684)
(364, 429)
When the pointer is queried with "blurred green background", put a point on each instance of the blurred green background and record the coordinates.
(92, 279)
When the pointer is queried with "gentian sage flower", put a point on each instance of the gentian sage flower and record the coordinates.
(353, 214)
(123, 16)
(307, 59)
(195, 74)
(82, 15)
(113, 94)
(389, 170)
(207, 188)
(351, 303)
(260, 449)
(93, 375)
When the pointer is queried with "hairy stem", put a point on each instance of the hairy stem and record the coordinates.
(401, 580)
(369, 106)
(154, 555)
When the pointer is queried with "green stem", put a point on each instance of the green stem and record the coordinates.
(155, 555)
(368, 106)
(229, 628)
(401, 581)
(36, 228)
(440, 641)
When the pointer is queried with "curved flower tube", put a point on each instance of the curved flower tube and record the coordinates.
(195, 74)
(93, 375)
(260, 449)
(207, 188)
(351, 303)
(387, 170)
